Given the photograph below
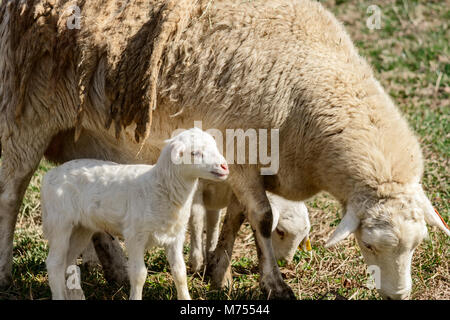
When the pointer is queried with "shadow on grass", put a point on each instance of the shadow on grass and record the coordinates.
(30, 279)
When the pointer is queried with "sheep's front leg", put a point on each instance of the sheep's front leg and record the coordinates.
(248, 186)
(196, 226)
(90, 259)
(261, 218)
(112, 258)
(137, 271)
(174, 254)
(21, 155)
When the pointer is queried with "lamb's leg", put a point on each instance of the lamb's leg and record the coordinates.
(212, 231)
(196, 226)
(137, 271)
(178, 268)
(219, 263)
(56, 262)
(79, 240)
(112, 258)
(21, 155)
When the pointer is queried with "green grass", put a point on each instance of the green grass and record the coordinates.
(410, 57)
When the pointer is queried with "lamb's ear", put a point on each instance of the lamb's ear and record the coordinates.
(348, 225)
(275, 217)
(432, 217)
(177, 151)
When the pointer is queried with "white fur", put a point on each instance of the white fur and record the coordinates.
(291, 229)
(145, 205)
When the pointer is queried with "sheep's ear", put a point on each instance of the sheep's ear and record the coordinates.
(432, 217)
(348, 225)
(177, 152)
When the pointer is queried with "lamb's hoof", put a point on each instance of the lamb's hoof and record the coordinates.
(277, 290)
(5, 281)
(75, 294)
(196, 268)
(196, 264)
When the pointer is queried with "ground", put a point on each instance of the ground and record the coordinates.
(410, 56)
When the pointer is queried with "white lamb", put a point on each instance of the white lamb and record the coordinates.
(145, 205)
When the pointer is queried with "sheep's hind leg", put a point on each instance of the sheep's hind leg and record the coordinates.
(174, 254)
(219, 262)
(21, 155)
(112, 258)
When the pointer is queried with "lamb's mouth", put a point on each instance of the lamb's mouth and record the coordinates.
(220, 175)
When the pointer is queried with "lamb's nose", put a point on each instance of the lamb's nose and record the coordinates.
(224, 167)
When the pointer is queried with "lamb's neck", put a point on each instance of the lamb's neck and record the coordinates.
(178, 189)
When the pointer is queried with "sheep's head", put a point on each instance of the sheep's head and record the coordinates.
(195, 152)
(388, 231)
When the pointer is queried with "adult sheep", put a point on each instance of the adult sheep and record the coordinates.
(260, 64)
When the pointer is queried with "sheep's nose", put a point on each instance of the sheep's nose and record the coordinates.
(224, 166)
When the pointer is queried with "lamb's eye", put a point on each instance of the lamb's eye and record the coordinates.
(280, 233)
(368, 246)
(196, 154)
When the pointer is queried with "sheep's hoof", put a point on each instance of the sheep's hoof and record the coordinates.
(5, 281)
(219, 280)
(277, 290)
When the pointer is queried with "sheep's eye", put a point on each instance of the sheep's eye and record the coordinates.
(368, 246)
(196, 153)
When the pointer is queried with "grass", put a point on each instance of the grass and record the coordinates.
(410, 56)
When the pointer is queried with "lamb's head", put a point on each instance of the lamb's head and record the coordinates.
(195, 152)
(388, 230)
(292, 228)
